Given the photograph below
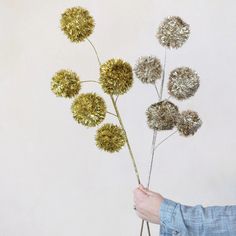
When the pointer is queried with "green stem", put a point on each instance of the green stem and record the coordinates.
(126, 137)
(95, 50)
(87, 81)
(117, 98)
(127, 140)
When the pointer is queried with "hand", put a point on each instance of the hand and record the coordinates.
(147, 204)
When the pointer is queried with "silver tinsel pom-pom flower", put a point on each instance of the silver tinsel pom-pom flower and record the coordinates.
(148, 69)
(173, 32)
(188, 123)
(183, 83)
(162, 115)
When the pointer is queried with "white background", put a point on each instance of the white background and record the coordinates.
(53, 179)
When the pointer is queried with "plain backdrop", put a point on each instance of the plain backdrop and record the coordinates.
(53, 179)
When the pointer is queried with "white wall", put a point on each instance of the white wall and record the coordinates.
(53, 179)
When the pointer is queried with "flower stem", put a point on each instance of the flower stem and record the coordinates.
(87, 81)
(163, 75)
(95, 50)
(127, 140)
(158, 94)
(111, 113)
(154, 138)
(126, 137)
(162, 141)
(155, 131)
(117, 98)
(141, 230)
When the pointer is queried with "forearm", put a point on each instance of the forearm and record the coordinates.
(197, 220)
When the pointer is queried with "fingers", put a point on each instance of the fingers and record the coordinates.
(139, 195)
(146, 190)
(140, 215)
(139, 190)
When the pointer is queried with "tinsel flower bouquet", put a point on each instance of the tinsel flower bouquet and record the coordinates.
(116, 78)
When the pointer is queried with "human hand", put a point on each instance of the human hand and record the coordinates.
(147, 204)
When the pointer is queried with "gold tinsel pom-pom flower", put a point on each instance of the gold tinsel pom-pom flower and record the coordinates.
(89, 109)
(116, 76)
(183, 83)
(77, 24)
(148, 69)
(110, 138)
(173, 32)
(188, 123)
(162, 115)
(65, 83)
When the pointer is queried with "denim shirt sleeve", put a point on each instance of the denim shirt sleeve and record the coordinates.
(183, 220)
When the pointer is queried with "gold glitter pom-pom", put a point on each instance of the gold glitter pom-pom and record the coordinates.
(183, 83)
(162, 115)
(65, 83)
(77, 24)
(89, 109)
(110, 138)
(188, 123)
(148, 69)
(116, 76)
(173, 32)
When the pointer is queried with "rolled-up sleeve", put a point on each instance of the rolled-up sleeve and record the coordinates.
(183, 220)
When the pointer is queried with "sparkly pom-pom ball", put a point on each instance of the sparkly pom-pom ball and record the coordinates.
(89, 109)
(188, 123)
(162, 115)
(110, 138)
(183, 83)
(65, 83)
(148, 69)
(116, 77)
(173, 32)
(77, 24)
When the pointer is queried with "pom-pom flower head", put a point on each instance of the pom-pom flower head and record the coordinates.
(65, 83)
(116, 76)
(188, 123)
(162, 115)
(173, 32)
(77, 24)
(183, 83)
(89, 109)
(148, 69)
(110, 138)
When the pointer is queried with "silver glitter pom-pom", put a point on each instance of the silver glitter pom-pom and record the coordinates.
(162, 115)
(148, 69)
(173, 32)
(183, 83)
(188, 123)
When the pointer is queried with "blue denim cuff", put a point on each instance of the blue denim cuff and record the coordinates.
(167, 209)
